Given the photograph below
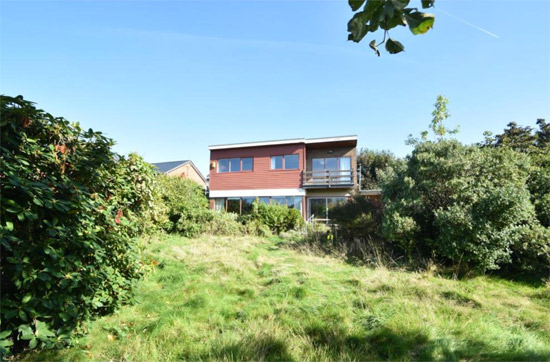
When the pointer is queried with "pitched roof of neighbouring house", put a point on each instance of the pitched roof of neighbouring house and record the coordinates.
(165, 167)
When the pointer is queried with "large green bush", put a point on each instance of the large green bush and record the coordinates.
(184, 204)
(70, 212)
(466, 204)
(277, 218)
(358, 219)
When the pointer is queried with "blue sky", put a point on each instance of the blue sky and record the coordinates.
(168, 78)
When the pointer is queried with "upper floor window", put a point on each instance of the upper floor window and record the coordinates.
(332, 164)
(235, 164)
(286, 162)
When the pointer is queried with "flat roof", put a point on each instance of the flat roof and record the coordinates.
(284, 142)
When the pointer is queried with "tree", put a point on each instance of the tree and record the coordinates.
(537, 146)
(543, 134)
(386, 15)
(468, 205)
(521, 138)
(373, 164)
(517, 137)
(439, 114)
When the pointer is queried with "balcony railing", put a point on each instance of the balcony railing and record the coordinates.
(327, 178)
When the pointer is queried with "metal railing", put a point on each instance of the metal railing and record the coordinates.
(328, 178)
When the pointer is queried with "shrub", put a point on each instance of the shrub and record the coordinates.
(539, 184)
(277, 218)
(184, 205)
(359, 218)
(465, 204)
(69, 213)
(223, 223)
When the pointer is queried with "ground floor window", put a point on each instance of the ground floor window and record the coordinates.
(318, 207)
(219, 204)
(243, 205)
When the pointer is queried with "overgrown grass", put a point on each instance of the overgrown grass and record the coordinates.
(249, 298)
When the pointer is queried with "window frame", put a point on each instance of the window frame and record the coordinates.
(283, 162)
(229, 164)
(325, 163)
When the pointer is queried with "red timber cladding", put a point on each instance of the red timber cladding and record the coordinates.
(262, 176)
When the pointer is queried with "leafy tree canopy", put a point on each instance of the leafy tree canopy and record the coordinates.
(521, 138)
(372, 15)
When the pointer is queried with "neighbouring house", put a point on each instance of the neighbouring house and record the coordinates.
(309, 174)
(184, 169)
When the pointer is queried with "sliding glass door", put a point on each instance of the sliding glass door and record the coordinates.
(319, 207)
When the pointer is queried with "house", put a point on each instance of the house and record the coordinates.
(308, 174)
(184, 169)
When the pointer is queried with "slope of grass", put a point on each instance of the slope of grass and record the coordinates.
(235, 299)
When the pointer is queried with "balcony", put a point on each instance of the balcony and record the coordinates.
(328, 179)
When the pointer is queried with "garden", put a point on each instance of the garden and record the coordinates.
(102, 258)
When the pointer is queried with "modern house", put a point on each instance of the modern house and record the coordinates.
(184, 169)
(309, 174)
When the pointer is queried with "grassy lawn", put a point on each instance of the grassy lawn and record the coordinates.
(248, 298)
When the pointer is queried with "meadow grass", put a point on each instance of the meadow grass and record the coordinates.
(247, 298)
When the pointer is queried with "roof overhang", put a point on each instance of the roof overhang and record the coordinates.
(352, 140)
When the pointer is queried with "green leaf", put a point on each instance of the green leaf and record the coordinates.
(393, 46)
(419, 23)
(399, 4)
(9, 225)
(374, 47)
(5, 334)
(5, 343)
(33, 343)
(26, 332)
(42, 331)
(22, 315)
(357, 27)
(26, 299)
(355, 4)
(427, 3)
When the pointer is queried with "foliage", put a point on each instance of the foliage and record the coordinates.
(359, 218)
(536, 144)
(440, 114)
(277, 218)
(465, 204)
(437, 125)
(70, 212)
(539, 184)
(185, 206)
(386, 15)
(254, 299)
(223, 223)
(373, 165)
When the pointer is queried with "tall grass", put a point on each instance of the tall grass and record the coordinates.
(247, 298)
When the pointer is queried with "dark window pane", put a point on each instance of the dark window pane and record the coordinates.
(333, 201)
(247, 164)
(277, 162)
(318, 208)
(223, 165)
(234, 205)
(247, 205)
(295, 202)
(291, 162)
(235, 164)
(264, 200)
(318, 164)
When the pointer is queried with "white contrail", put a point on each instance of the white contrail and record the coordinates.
(470, 24)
